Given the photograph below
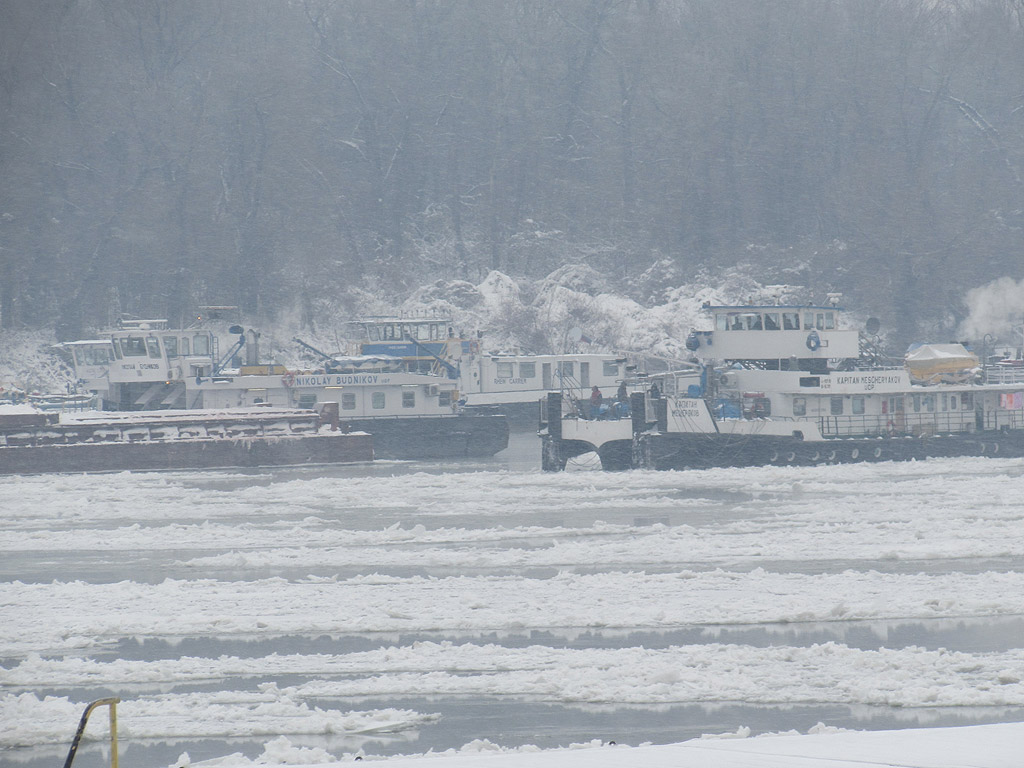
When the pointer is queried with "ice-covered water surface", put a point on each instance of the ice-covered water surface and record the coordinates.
(397, 608)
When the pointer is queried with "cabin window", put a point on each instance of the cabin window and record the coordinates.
(771, 321)
(307, 402)
(528, 370)
(967, 401)
(92, 355)
(953, 404)
(423, 331)
(610, 368)
(408, 399)
(444, 398)
(133, 346)
(799, 406)
(836, 406)
(857, 405)
(184, 345)
(808, 321)
(791, 321)
(753, 322)
(373, 332)
(830, 321)
(721, 322)
(348, 401)
(171, 345)
(389, 332)
(378, 401)
(505, 370)
(567, 368)
(153, 346)
(819, 322)
(928, 401)
(917, 403)
(737, 323)
(201, 344)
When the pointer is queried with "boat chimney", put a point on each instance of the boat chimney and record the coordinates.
(252, 347)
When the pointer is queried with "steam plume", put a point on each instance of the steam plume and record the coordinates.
(994, 308)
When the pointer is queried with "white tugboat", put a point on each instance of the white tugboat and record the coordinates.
(791, 385)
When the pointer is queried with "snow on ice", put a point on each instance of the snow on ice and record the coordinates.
(438, 572)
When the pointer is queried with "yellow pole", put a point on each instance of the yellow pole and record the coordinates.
(113, 733)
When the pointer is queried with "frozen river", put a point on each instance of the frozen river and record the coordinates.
(404, 607)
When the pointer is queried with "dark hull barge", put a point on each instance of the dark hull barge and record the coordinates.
(105, 442)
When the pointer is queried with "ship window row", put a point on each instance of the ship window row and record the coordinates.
(928, 403)
(93, 355)
(149, 346)
(418, 331)
(378, 400)
(776, 321)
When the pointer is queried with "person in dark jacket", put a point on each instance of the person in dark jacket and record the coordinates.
(596, 399)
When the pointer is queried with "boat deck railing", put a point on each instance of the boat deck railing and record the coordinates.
(1004, 375)
(919, 424)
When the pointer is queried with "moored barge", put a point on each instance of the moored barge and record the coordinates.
(33, 443)
(788, 385)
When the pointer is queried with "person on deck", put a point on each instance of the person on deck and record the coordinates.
(596, 399)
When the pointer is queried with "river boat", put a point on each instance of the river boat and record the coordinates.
(33, 441)
(791, 385)
(507, 383)
(145, 364)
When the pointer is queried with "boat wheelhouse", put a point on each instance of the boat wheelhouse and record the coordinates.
(793, 385)
(144, 364)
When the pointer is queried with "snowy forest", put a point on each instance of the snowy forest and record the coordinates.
(296, 157)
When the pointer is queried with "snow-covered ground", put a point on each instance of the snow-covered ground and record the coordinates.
(307, 616)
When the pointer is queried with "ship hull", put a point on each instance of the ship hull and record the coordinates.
(703, 451)
(433, 437)
(332, 448)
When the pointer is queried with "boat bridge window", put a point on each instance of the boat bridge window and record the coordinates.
(184, 345)
(408, 399)
(201, 344)
(505, 370)
(528, 370)
(836, 406)
(819, 321)
(348, 401)
(92, 355)
(133, 346)
(171, 345)
(772, 321)
(799, 406)
(153, 346)
(378, 401)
